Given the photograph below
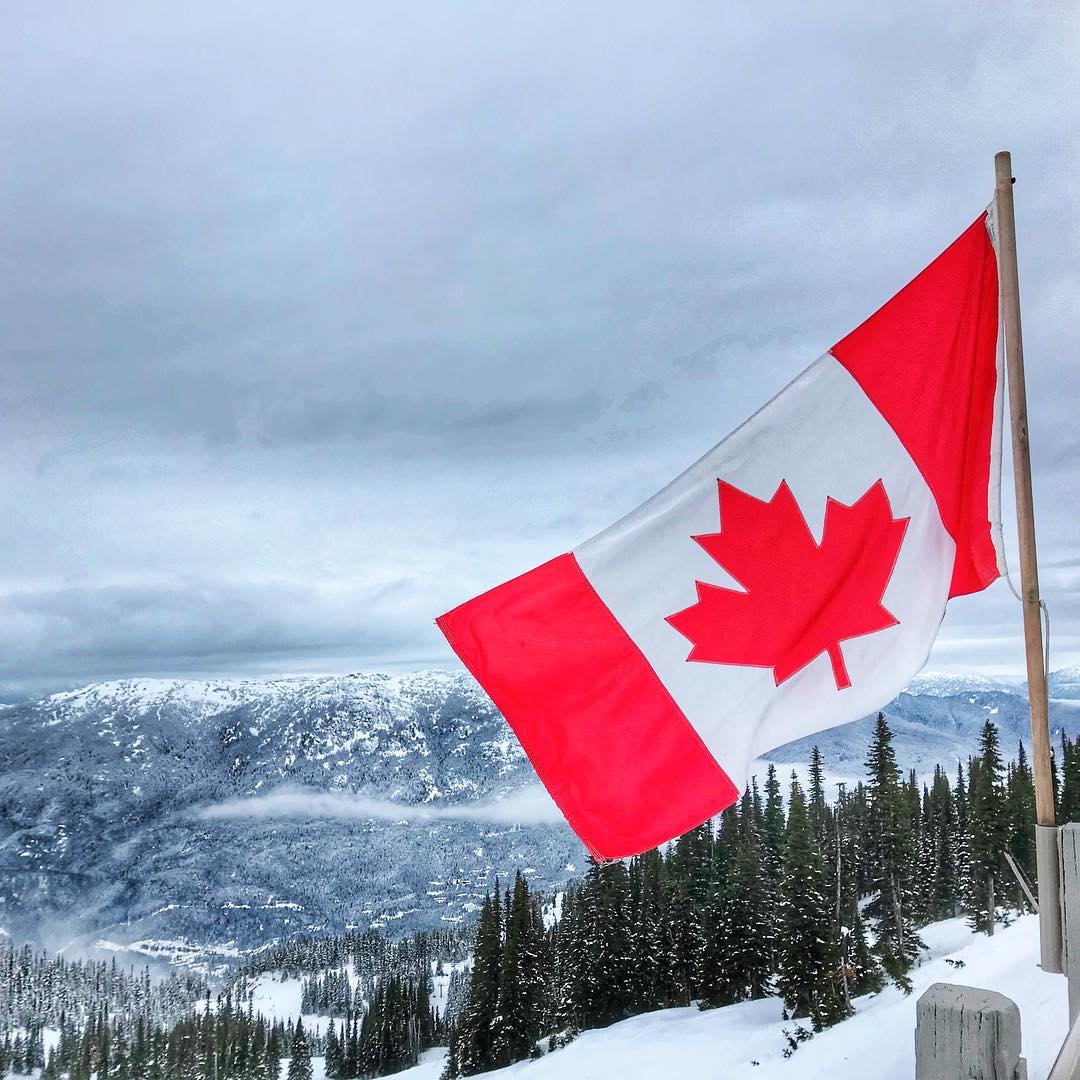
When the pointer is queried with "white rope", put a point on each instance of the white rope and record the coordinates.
(1000, 535)
(1046, 636)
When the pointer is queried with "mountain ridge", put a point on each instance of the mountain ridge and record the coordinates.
(103, 790)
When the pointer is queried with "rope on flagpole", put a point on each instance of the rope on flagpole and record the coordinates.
(999, 534)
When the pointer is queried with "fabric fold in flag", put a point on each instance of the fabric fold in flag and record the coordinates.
(791, 580)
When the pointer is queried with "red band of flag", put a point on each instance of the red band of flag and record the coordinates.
(614, 750)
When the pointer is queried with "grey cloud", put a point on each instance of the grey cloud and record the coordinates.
(357, 294)
(312, 418)
(58, 635)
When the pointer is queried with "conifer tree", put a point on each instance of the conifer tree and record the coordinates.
(710, 974)
(300, 1054)
(1069, 772)
(1022, 820)
(452, 1069)
(607, 942)
(891, 859)
(478, 1026)
(809, 970)
(689, 873)
(738, 960)
(649, 969)
(941, 841)
(989, 832)
(521, 982)
(817, 804)
(334, 1055)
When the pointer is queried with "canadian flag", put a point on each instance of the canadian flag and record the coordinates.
(792, 579)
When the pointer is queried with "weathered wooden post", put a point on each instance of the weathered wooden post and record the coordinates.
(1070, 912)
(962, 1033)
(966, 1034)
(1067, 1066)
(1046, 837)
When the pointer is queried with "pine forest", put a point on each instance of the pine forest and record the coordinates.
(812, 892)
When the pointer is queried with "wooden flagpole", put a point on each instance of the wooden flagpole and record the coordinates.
(1046, 832)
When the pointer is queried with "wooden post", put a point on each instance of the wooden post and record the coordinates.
(1070, 912)
(966, 1034)
(1049, 873)
(1067, 1065)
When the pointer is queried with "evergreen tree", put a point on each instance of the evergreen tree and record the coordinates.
(335, 1058)
(989, 832)
(817, 803)
(1021, 812)
(1069, 770)
(859, 968)
(809, 977)
(521, 982)
(300, 1054)
(963, 831)
(940, 865)
(739, 959)
(891, 859)
(606, 992)
(478, 1027)
(648, 948)
(688, 873)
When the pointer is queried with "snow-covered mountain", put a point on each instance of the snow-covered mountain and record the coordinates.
(104, 793)
(191, 819)
(937, 720)
(1065, 683)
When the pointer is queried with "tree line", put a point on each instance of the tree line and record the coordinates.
(363, 951)
(117, 1024)
(222, 1044)
(396, 1026)
(805, 895)
(37, 989)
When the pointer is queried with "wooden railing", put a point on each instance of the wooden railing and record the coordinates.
(962, 1033)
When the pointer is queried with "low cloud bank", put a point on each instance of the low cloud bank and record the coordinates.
(529, 806)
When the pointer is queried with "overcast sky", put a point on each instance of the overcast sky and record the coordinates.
(319, 319)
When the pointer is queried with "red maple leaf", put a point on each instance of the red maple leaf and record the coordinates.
(801, 598)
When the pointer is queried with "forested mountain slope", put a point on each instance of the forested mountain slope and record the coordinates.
(104, 791)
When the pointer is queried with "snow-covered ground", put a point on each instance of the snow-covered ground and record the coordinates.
(440, 984)
(747, 1041)
(277, 998)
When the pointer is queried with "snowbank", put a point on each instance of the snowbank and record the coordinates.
(746, 1041)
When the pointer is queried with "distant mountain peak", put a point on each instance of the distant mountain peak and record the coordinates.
(1065, 682)
(950, 684)
(208, 696)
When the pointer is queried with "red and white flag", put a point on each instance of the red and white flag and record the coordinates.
(792, 579)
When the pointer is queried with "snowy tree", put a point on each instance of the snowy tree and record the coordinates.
(521, 979)
(478, 1028)
(810, 976)
(891, 858)
(300, 1055)
(989, 832)
(741, 931)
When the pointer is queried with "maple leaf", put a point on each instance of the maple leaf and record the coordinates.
(801, 598)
